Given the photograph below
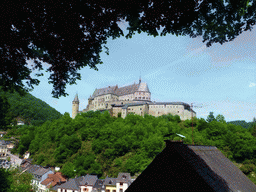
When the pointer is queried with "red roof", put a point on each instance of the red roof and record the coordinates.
(54, 179)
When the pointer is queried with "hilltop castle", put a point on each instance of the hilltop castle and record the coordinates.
(135, 98)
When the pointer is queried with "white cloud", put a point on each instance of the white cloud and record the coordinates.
(252, 84)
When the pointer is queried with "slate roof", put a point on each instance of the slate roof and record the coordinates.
(89, 180)
(110, 181)
(126, 90)
(130, 89)
(220, 165)
(36, 170)
(123, 177)
(207, 164)
(100, 184)
(3, 142)
(72, 184)
(125, 106)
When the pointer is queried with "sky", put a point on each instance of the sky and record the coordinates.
(219, 79)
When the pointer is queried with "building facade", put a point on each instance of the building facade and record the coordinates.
(135, 98)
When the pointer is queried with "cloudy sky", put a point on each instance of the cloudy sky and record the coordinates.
(220, 78)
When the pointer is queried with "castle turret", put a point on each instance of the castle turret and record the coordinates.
(75, 106)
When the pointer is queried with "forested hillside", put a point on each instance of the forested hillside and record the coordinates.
(97, 143)
(32, 110)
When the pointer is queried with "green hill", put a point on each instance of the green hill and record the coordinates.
(96, 143)
(29, 109)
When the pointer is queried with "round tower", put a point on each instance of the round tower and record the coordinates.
(75, 106)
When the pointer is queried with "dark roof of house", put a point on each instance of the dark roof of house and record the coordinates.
(36, 170)
(221, 166)
(100, 184)
(41, 171)
(110, 181)
(72, 184)
(123, 177)
(3, 142)
(89, 180)
(195, 164)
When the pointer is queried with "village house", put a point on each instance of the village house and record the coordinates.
(52, 180)
(91, 183)
(123, 181)
(84, 183)
(110, 184)
(182, 167)
(39, 174)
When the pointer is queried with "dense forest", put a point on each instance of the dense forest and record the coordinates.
(97, 143)
(28, 108)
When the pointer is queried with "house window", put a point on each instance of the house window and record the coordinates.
(121, 190)
(121, 183)
(114, 190)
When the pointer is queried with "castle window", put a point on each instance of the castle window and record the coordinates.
(139, 97)
(140, 108)
(178, 111)
(143, 97)
(139, 93)
(135, 97)
(146, 97)
(128, 99)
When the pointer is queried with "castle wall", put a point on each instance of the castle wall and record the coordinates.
(116, 110)
(139, 109)
(129, 97)
(158, 110)
(142, 95)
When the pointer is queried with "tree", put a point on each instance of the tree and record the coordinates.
(5, 118)
(253, 127)
(74, 38)
(12, 180)
(220, 118)
(210, 117)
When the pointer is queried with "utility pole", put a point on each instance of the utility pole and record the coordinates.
(191, 108)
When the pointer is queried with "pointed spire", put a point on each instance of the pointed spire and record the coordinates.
(76, 97)
(140, 79)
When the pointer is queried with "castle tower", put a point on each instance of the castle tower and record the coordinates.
(75, 106)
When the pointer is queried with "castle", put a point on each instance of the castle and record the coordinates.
(135, 98)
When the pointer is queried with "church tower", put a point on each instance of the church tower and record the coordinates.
(75, 106)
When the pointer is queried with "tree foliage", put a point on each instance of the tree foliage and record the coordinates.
(12, 180)
(74, 38)
(96, 143)
(28, 108)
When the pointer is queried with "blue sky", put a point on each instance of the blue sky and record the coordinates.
(220, 78)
